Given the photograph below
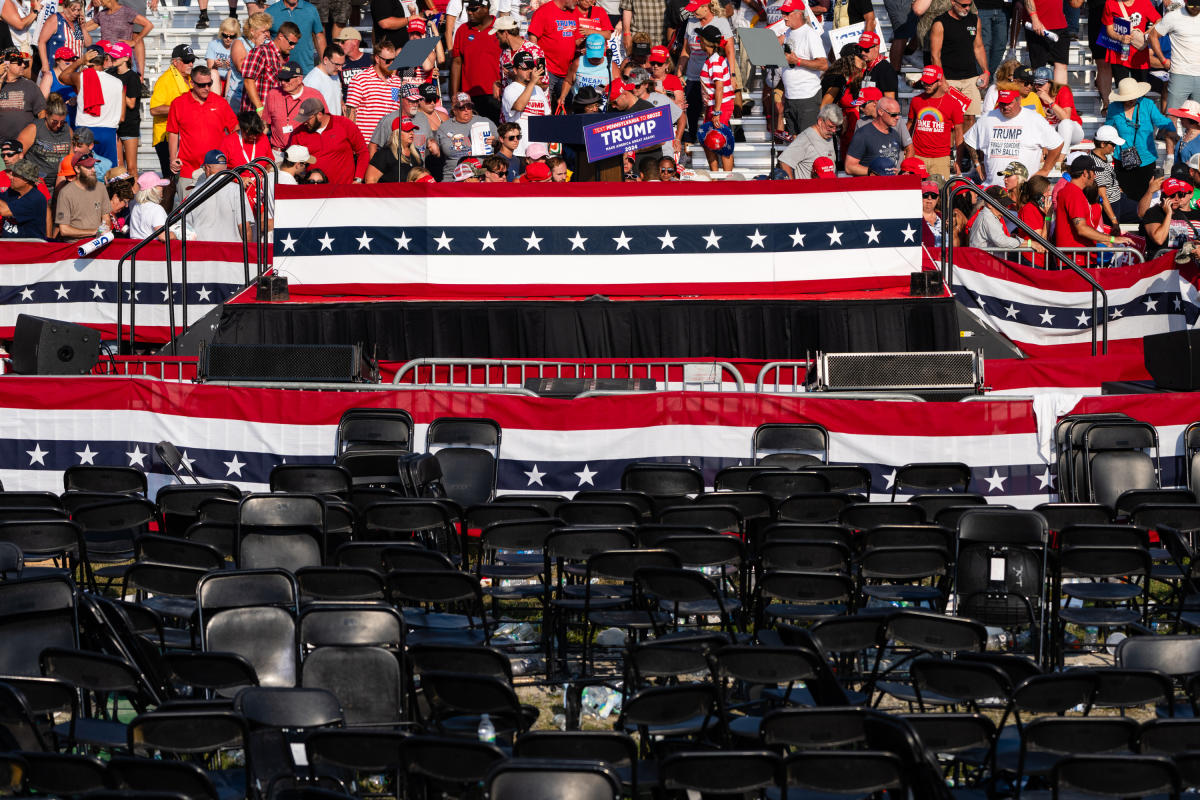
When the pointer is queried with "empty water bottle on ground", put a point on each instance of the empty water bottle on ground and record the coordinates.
(486, 730)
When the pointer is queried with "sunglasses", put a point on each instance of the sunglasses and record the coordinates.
(200, 85)
(929, 195)
(228, 35)
(292, 42)
(516, 137)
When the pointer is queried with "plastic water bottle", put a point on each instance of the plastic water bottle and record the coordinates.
(1125, 51)
(486, 730)
(1051, 35)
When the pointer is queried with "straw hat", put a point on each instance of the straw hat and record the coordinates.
(1128, 89)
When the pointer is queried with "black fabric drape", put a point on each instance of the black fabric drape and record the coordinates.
(754, 329)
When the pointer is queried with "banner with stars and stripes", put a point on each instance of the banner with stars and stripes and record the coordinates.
(1049, 312)
(488, 240)
(50, 280)
(239, 434)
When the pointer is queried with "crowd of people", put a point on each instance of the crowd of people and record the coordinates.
(296, 82)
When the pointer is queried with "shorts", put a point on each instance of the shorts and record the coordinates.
(970, 88)
(724, 130)
(129, 129)
(335, 11)
(1042, 51)
(904, 21)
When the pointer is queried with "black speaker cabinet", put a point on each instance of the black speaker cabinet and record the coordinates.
(50, 347)
(1173, 359)
(271, 288)
(925, 284)
(323, 363)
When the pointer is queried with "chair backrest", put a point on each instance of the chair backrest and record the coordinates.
(1116, 776)
(721, 772)
(814, 507)
(598, 512)
(537, 779)
(791, 437)
(1060, 515)
(311, 479)
(663, 479)
(933, 476)
(174, 461)
(288, 707)
(303, 511)
(370, 428)
(468, 474)
(87, 478)
(1175, 655)
(354, 652)
(463, 432)
(39, 611)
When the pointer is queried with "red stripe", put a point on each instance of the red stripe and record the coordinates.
(652, 189)
(1064, 280)
(299, 407)
(53, 252)
(1066, 371)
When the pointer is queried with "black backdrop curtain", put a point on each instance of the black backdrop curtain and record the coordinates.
(752, 329)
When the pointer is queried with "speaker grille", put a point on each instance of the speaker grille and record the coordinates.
(954, 369)
(327, 363)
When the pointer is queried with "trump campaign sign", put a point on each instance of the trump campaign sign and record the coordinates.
(632, 131)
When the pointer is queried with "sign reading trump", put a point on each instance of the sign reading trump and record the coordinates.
(633, 131)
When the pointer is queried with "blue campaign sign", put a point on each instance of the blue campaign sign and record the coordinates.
(1121, 27)
(633, 131)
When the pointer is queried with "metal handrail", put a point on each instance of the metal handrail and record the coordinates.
(953, 186)
(1137, 255)
(495, 371)
(179, 214)
(265, 190)
(777, 367)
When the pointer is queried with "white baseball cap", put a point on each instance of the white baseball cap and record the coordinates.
(298, 154)
(1107, 133)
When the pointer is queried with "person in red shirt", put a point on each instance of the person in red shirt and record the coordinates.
(593, 19)
(336, 142)
(1073, 212)
(1037, 206)
(553, 28)
(1140, 15)
(475, 67)
(935, 121)
(196, 123)
(1047, 16)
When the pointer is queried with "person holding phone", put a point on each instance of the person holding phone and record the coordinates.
(1169, 223)
(524, 97)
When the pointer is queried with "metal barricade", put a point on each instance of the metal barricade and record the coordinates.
(1093, 254)
(510, 374)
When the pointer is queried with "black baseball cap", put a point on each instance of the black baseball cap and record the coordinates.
(1081, 164)
(1023, 74)
(184, 53)
(289, 71)
(430, 92)
(523, 59)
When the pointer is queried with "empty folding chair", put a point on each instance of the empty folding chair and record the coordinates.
(792, 438)
(39, 612)
(933, 503)
(366, 429)
(1047, 740)
(615, 750)
(203, 735)
(780, 485)
(174, 461)
(440, 606)
(438, 764)
(665, 482)
(179, 503)
(776, 670)
(113, 480)
(252, 613)
(98, 677)
(477, 432)
(1115, 580)
(536, 779)
(318, 479)
(1118, 457)
(723, 772)
(736, 478)
(143, 776)
(63, 775)
(855, 773)
(278, 719)
(59, 541)
(109, 529)
(457, 701)
(281, 530)
(468, 474)
(864, 516)
(932, 476)
(1175, 656)
(338, 583)
(1116, 776)
(814, 507)
(686, 711)
(19, 728)
(354, 652)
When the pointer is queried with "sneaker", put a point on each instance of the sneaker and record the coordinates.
(783, 137)
(202, 23)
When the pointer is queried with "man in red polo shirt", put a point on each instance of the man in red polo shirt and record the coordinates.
(196, 123)
(935, 120)
(336, 142)
(553, 28)
(475, 67)
(1073, 211)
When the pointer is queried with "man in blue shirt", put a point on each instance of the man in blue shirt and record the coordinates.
(312, 31)
(22, 206)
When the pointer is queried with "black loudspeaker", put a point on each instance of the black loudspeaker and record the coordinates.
(565, 388)
(320, 363)
(947, 370)
(271, 288)
(1173, 359)
(49, 347)
(925, 284)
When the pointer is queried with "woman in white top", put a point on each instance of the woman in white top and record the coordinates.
(21, 16)
(148, 214)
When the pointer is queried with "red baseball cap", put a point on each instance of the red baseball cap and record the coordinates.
(1006, 96)
(403, 124)
(791, 5)
(426, 179)
(416, 25)
(823, 167)
(868, 94)
(914, 166)
(930, 186)
(536, 172)
(931, 74)
(868, 40)
(1174, 186)
(694, 4)
(659, 55)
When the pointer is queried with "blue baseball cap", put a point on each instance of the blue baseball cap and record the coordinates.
(214, 157)
(594, 46)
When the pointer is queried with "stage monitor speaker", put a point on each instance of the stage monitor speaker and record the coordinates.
(317, 363)
(1173, 359)
(952, 369)
(50, 347)
(566, 388)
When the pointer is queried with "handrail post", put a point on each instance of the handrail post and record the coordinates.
(952, 187)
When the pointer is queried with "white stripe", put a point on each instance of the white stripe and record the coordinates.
(148, 271)
(103, 313)
(990, 286)
(593, 269)
(636, 210)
